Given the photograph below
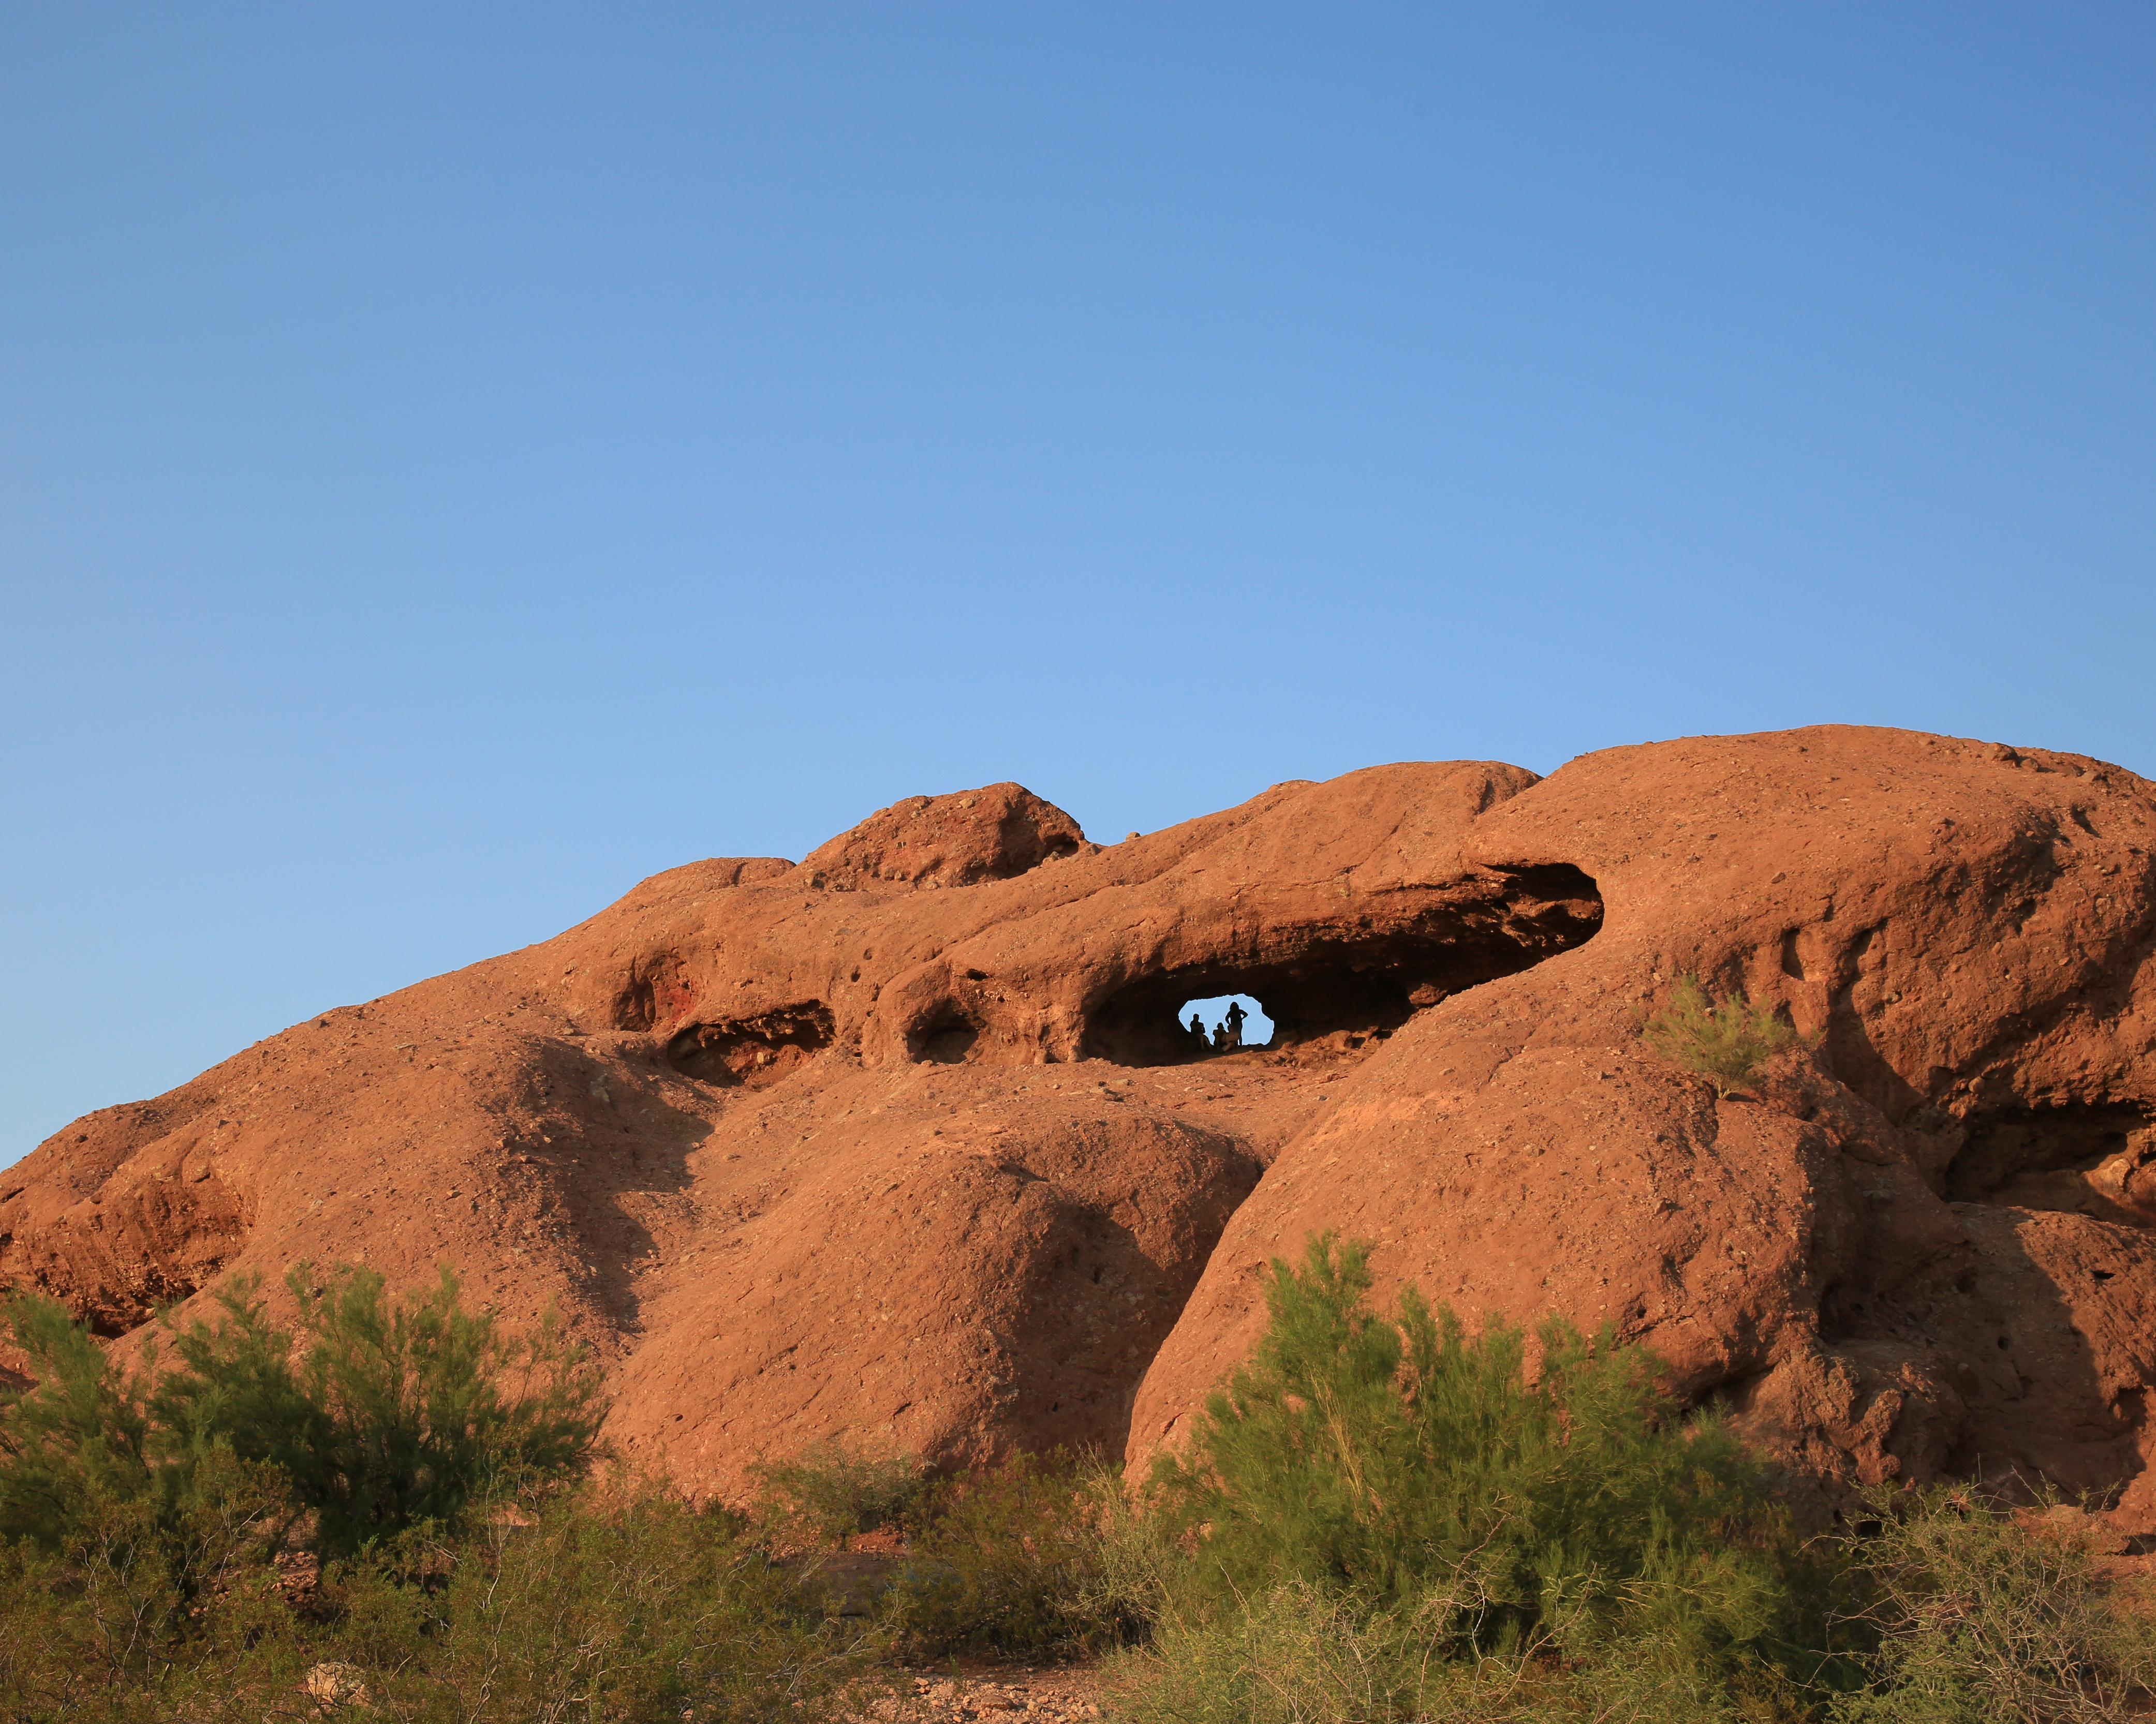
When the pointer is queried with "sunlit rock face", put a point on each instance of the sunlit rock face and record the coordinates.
(904, 1145)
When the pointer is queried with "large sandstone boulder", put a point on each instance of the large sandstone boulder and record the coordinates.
(1917, 1248)
(903, 1144)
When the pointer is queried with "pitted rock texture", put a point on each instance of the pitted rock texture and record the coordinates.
(902, 1145)
(994, 833)
(1915, 1249)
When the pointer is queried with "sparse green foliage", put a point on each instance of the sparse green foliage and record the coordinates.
(1298, 1653)
(611, 1608)
(77, 1438)
(604, 1606)
(1981, 1617)
(414, 1409)
(1726, 1044)
(830, 1494)
(1018, 1562)
(426, 1453)
(142, 1595)
(386, 1414)
(1390, 1518)
(1380, 1519)
(1399, 1462)
(1295, 1654)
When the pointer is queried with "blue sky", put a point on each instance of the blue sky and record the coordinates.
(456, 460)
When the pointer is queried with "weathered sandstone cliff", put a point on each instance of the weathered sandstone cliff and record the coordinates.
(902, 1144)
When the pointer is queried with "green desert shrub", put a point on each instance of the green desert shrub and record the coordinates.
(1298, 1653)
(393, 1413)
(1293, 1654)
(140, 1608)
(1725, 1042)
(1979, 1616)
(1020, 1560)
(1422, 1476)
(829, 1494)
(79, 1439)
(606, 1607)
(462, 1575)
(377, 1415)
(621, 1605)
(1379, 1518)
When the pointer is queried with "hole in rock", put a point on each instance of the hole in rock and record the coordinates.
(947, 1041)
(1341, 985)
(2095, 1158)
(1224, 1023)
(754, 1051)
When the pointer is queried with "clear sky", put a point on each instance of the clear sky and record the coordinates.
(456, 460)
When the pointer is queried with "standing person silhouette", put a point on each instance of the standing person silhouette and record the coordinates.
(1236, 1015)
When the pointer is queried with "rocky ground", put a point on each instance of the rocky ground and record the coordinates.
(1062, 1694)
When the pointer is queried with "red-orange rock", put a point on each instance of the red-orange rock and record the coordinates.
(903, 1144)
(1848, 1258)
(995, 833)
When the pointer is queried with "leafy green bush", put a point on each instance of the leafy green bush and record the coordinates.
(830, 1494)
(1044, 1554)
(1386, 1520)
(78, 1439)
(1380, 1519)
(1293, 1654)
(1980, 1616)
(386, 1414)
(1418, 1473)
(1725, 1043)
(394, 1414)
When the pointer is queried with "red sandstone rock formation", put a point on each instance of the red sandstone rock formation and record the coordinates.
(902, 1144)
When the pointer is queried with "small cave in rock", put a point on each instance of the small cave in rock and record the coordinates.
(752, 1051)
(1350, 983)
(2090, 1158)
(947, 1040)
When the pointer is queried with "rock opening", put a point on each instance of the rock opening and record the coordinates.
(1353, 982)
(2087, 1159)
(949, 1040)
(754, 1050)
(1223, 1024)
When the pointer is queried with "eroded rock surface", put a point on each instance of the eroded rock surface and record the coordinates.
(902, 1144)
(1916, 1248)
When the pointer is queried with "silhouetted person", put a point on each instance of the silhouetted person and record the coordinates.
(1221, 1037)
(1234, 1021)
(1197, 1031)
